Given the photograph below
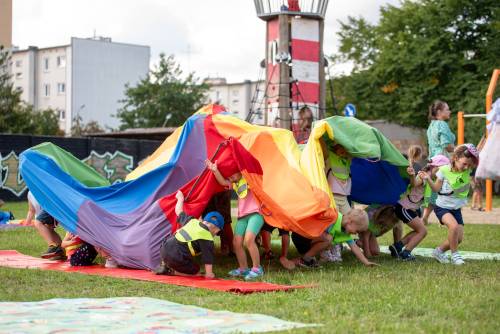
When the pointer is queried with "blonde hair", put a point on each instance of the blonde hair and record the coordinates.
(415, 153)
(359, 218)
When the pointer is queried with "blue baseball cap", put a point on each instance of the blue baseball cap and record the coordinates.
(215, 218)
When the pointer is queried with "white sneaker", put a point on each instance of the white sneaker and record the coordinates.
(336, 253)
(326, 256)
(440, 256)
(111, 263)
(457, 259)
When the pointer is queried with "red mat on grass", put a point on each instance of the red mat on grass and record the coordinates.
(14, 259)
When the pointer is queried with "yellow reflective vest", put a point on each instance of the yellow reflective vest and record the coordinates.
(192, 231)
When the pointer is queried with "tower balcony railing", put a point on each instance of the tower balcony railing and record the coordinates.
(267, 9)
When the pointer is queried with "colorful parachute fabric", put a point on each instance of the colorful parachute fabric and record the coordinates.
(130, 219)
(378, 169)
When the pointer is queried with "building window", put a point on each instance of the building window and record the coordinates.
(46, 64)
(61, 61)
(19, 63)
(46, 90)
(19, 89)
(235, 101)
(61, 88)
(235, 92)
(19, 75)
(62, 115)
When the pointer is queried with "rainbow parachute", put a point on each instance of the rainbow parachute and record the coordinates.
(130, 219)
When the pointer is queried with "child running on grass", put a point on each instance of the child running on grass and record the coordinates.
(355, 221)
(452, 186)
(407, 209)
(194, 238)
(250, 221)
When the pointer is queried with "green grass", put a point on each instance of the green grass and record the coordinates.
(423, 296)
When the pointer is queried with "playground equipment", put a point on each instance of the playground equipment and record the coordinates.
(294, 63)
(461, 124)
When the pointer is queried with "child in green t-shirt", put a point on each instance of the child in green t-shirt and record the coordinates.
(355, 221)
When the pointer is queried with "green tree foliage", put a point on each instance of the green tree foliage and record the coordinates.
(79, 128)
(163, 98)
(419, 52)
(17, 116)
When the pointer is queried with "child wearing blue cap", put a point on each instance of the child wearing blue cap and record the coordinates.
(194, 238)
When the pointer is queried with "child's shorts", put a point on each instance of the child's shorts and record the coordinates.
(406, 215)
(83, 256)
(46, 219)
(302, 244)
(249, 223)
(457, 213)
(177, 260)
(270, 229)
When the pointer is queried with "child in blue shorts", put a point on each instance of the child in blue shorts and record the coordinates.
(452, 185)
(249, 224)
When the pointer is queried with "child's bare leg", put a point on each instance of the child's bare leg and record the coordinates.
(427, 213)
(47, 233)
(252, 249)
(454, 230)
(266, 240)
(374, 248)
(240, 252)
(417, 235)
(397, 232)
(317, 246)
(285, 243)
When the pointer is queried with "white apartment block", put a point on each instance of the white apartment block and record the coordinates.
(85, 78)
(238, 98)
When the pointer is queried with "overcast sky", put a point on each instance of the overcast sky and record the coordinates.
(210, 37)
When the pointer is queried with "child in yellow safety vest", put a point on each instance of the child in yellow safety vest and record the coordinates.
(194, 238)
(249, 224)
(338, 174)
(355, 221)
(452, 186)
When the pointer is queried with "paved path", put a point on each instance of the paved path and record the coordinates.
(467, 255)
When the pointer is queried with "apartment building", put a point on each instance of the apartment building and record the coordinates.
(239, 98)
(85, 78)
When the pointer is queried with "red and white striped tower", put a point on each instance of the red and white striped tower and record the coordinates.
(294, 58)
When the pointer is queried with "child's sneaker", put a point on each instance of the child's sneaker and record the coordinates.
(457, 259)
(326, 256)
(336, 253)
(394, 251)
(54, 252)
(312, 263)
(254, 273)
(440, 256)
(111, 263)
(407, 256)
(239, 272)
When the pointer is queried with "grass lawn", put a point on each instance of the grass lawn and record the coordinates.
(423, 296)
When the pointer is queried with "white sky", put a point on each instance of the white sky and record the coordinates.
(210, 37)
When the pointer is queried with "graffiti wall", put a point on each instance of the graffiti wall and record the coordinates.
(112, 158)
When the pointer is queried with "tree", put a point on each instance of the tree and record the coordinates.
(163, 98)
(419, 52)
(17, 116)
(78, 129)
